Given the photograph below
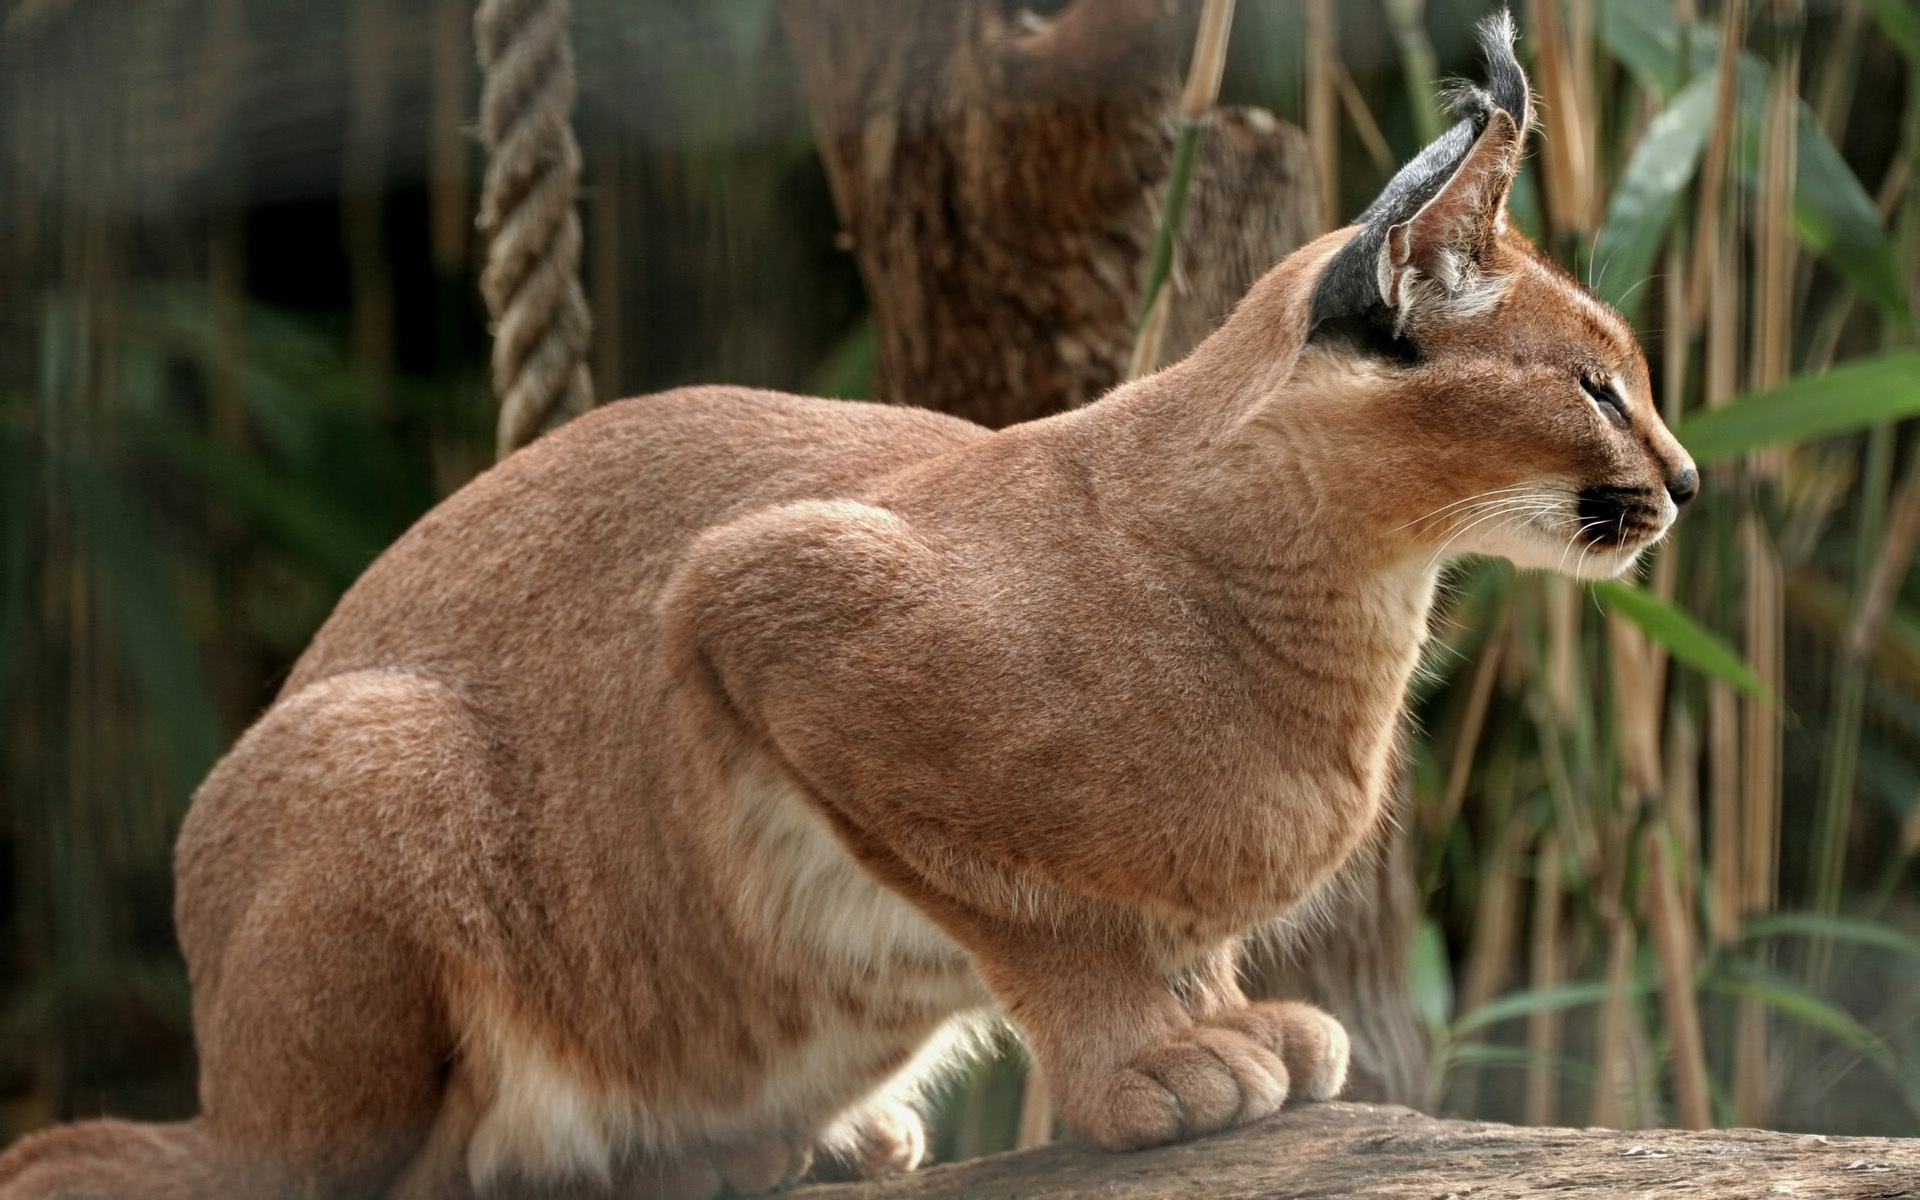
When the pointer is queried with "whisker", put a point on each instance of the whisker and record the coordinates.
(1457, 503)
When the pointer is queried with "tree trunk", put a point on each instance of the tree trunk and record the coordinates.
(999, 180)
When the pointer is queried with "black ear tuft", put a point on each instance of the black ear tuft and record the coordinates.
(1506, 82)
(1351, 283)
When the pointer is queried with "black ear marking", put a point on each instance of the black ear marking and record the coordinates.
(1352, 282)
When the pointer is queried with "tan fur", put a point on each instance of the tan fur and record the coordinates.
(666, 804)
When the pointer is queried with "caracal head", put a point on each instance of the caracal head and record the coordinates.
(1514, 405)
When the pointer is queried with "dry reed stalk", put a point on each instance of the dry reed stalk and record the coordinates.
(1722, 357)
(1320, 106)
(1715, 276)
(1496, 910)
(1636, 704)
(1036, 1112)
(1197, 99)
(1770, 347)
(1760, 840)
(1545, 956)
(1582, 57)
(1364, 124)
(1775, 245)
(1839, 68)
(1153, 332)
(1565, 152)
(1417, 64)
(1473, 721)
(1615, 1085)
(1890, 567)
(1670, 919)
(449, 208)
(1708, 242)
(1677, 341)
(1562, 668)
(1680, 803)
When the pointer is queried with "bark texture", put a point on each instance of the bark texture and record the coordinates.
(999, 179)
(1389, 1153)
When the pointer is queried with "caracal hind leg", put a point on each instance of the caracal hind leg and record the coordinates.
(113, 1160)
(321, 1051)
(310, 870)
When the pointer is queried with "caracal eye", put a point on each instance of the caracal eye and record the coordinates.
(1606, 398)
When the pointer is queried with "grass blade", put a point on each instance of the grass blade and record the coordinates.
(1684, 638)
(1862, 393)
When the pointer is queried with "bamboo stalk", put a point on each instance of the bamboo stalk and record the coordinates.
(1364, 124)
(1636, 704)
(1614, 1105)
(1681, 802)
(1566, 147)
(1562, 667)
(1486, 673)
(1322, 44)
(1760, 840)
(1713, 167)
(1036, 1111)
(1496, 912)
(1670, 919)
(1872, 538)
(1769, 363)
(1545, 954)
(1417, 64)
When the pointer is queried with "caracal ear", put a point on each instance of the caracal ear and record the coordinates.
(1423, 252)
(1442, 254)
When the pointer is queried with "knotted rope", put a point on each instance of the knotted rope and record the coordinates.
(532, 276)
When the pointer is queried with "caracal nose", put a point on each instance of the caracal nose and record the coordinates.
(1684, 485)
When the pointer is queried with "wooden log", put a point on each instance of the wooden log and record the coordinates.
(1384, 1152)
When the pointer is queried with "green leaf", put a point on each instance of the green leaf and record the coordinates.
(1643, 202)
(1837, 220)
(1791, 1000)
(151, 631)
(1482, 1054)
(1868, 935)
(1684, 638)
(1900, 21)
(1525, 1004)
(1862, 393)
(1649, 40)
(1432, 978)
(292, 513)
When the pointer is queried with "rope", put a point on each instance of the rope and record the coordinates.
(532, 276)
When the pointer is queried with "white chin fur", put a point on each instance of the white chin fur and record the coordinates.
(1544, 543)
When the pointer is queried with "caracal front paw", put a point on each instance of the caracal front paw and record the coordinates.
(1235, 1068)
(1311, 1043)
